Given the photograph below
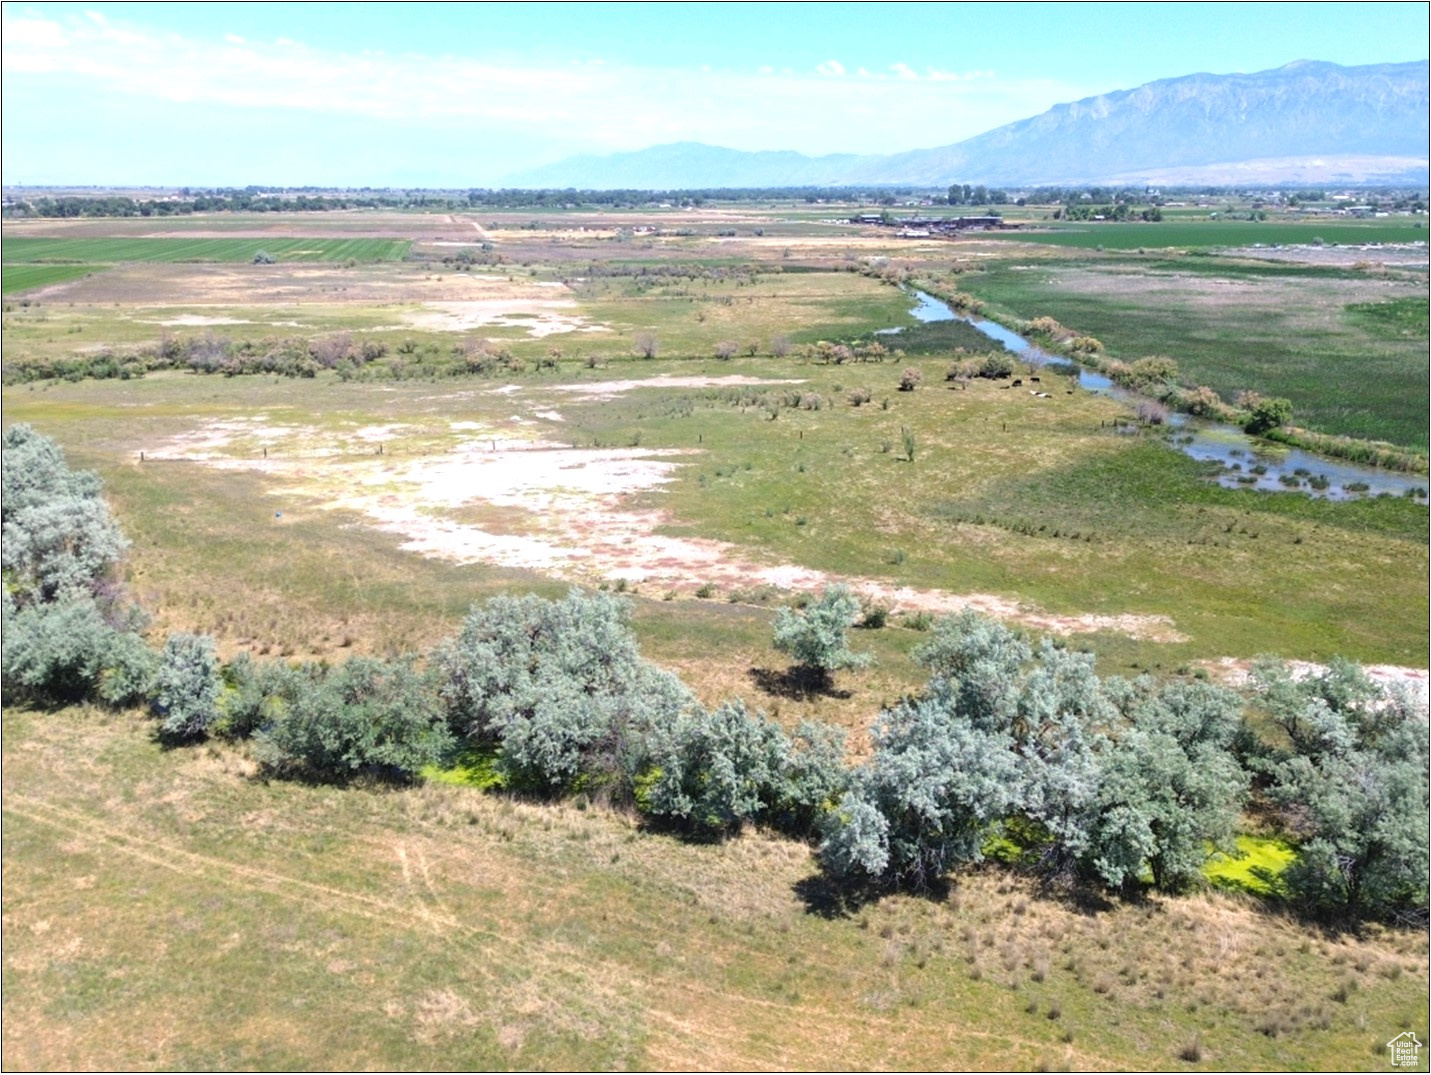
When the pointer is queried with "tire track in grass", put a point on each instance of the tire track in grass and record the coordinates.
(192, 864)
(820, 1024)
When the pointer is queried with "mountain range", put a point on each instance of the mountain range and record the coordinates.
(1308, 122)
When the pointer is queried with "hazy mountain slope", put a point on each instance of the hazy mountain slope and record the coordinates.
(690, 165)
(1278, 119)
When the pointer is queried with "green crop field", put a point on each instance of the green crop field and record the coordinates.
(27, 249)
(1188, 234)
(25, 277)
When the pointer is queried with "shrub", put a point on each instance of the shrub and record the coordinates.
(63, 546)
(58, 535)
(909, 379)
(1169, 789)
(1151, 412)
(1268, 414)
(816, 636)
(559, 688)
(35, 472)
(1146, 374)
(923, 802)
(1203, 402)
(1353, 784)
(256, 694)
(996, 366)
(715, 771)
(365, 716)
(186, 688)
(67, 651)
(128, 670)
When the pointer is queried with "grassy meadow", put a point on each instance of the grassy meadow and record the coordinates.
(175, 908)
(1346, 345)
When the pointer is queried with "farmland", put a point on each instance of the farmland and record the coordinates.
(1315, 334)
(1205, 234)
(336, 455)
(32, 250)
(28, 277)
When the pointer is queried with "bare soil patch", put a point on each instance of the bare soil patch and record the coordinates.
(1236, 672)
(1342, 256)
(537, 316)
(607, 389)
(569, 512)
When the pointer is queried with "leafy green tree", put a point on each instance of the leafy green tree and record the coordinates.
(186, 688)
(816, 638)
(559, 688)
(1268, 414)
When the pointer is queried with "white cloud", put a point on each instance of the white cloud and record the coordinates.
(585, 106)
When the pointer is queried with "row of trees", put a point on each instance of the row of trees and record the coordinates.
(1121, 784)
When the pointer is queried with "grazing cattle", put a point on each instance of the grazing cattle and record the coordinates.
(1018, 382)
(1034, 380)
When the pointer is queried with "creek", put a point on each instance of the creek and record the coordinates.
(1246, 462)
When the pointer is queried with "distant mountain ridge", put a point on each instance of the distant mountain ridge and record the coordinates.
(1308, 121)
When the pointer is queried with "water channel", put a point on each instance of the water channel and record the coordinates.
(1246, 462)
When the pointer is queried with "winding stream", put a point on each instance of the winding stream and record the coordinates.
(1247, 462)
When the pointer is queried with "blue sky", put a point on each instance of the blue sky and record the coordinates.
(461, 95)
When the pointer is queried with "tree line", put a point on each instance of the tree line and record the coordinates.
(1012, 743)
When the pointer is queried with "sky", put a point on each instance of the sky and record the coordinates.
(462, 95)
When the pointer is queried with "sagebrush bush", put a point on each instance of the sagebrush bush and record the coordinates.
(364, 716)
(559, 688)
(815, 638)
(66, 651)
(186, 688)
(258, 693)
